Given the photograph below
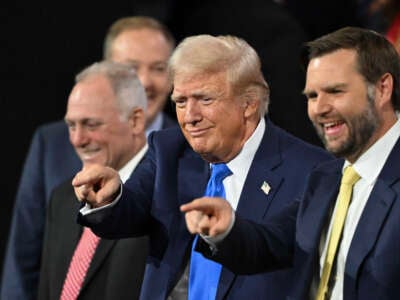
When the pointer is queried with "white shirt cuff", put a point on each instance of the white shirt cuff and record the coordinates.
(213, 241)
(87, 209)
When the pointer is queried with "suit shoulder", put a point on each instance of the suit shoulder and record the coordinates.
(168, 121)
(328, 166)
(53, 140)
(169, 137)
(53, 128)
(292, 144)
(52, 133)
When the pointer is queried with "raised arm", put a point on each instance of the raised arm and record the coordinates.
(246, 247)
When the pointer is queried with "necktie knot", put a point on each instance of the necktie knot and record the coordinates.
(215, 187)
(220, 171)
(350, 176)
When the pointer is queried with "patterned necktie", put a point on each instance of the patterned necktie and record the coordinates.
(204, 273)
(350, 177)
(79, 265)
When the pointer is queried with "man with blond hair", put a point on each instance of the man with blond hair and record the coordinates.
(221, 100)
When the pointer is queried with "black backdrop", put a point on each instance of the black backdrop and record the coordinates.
(43, 44)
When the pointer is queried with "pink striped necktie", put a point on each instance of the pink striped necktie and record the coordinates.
(79, 265)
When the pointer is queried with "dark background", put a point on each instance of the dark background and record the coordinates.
(44, 44)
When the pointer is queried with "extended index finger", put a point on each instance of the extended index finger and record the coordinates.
(202, 204)
(87, 176)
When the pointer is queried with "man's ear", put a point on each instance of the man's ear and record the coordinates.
(137, 120)
(251, 107)
(384, 90)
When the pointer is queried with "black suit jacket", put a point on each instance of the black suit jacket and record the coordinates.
(117, 268)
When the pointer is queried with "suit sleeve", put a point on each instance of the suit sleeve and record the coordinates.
(44, 280)
(252, 248)
(22, 260)
(131, 216)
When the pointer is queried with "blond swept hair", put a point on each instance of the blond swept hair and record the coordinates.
(212, 54)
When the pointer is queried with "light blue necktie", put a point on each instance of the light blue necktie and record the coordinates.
(204, 274)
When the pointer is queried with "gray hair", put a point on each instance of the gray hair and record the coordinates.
(126, 85)
(230, 54)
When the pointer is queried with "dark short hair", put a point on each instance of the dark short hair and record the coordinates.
(375, 54)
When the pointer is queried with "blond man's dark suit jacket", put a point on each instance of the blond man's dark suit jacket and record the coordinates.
(172, 174)
(117, 268)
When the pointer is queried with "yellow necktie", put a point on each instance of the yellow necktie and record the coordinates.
(350, 177)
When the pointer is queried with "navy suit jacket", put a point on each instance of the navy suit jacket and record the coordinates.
(172, 174)
(372, 269)
(50, 161)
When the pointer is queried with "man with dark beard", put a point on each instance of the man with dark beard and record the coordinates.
(343, 243)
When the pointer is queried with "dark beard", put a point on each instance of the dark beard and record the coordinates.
(361, 129)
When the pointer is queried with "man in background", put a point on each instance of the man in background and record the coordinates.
(106, 120)
(221, 100)
(142, 42)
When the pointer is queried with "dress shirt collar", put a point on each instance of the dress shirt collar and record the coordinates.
(156, 124)
(126, 171)
(240, 165)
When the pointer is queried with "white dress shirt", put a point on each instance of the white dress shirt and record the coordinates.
(156, 124)
(240, 166)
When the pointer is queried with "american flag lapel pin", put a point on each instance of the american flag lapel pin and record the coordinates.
(265, 187)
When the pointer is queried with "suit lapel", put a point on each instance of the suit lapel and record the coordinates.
(193, 173)
(72, 234)
(254, 201)
(100, 255)
(312, 219)
(65, 208)
(367, 232)
(372, 219)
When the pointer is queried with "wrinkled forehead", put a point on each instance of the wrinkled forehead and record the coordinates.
(198, 81)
